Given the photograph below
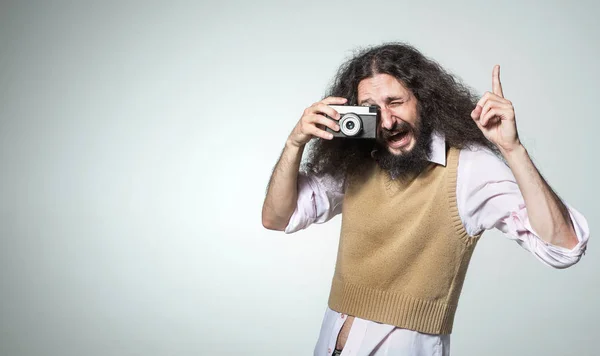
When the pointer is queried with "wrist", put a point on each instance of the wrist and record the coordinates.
(291, 144)
(513, 152)
(293, 150)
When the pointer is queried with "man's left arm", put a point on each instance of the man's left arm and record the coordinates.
(495, 117)
(548, 216)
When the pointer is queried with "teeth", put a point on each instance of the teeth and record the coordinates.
(398, 135)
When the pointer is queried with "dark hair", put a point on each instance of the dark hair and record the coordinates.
(444, 102)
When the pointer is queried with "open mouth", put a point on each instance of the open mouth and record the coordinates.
(399, 139)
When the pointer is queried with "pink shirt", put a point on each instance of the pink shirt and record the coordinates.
(487, 197)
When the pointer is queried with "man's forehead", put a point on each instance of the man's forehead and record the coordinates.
(380, 86)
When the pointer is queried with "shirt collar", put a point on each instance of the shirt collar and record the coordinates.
(438, 149)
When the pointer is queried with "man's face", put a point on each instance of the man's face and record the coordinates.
(400, 125)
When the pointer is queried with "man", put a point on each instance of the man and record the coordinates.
(443, 169)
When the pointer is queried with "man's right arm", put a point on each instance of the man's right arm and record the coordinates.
(282, 192)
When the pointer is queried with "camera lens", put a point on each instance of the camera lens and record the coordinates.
(350, 124)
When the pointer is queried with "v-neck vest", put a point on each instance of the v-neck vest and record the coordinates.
(403, 252)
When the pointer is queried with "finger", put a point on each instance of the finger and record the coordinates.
(322, 108)
(491, 104)
(325, 121)
(317, 132)
(476, 113)
(486, 96)
(334, 100)
(491, 117)
(496, 85)
(491, 96)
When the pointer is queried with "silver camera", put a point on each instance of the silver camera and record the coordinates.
(356, 121)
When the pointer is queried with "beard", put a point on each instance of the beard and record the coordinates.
(406, 163)
(353, 157)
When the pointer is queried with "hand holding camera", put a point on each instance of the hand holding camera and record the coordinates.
(321, 120)
(314, 120)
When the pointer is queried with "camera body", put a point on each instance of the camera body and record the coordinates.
(357, 121)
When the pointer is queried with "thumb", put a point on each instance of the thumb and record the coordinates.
(476, 112)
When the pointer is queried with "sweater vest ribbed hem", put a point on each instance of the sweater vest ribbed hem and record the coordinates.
(396, 309)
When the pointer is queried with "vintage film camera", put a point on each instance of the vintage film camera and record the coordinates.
(357, 121)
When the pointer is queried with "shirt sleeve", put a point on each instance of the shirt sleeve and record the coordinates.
(319, 199)
(488, 197)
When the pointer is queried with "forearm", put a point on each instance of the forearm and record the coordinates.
(282, 192)
(548, 216)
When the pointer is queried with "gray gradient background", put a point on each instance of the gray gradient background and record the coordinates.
(137, 138)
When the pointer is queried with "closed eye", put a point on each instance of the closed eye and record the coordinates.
(369, 104)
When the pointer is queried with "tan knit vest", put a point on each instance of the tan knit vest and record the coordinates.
(403, 251)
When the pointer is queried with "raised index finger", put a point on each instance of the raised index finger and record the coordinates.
(496, 85)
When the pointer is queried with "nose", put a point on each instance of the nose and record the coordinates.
(387, 121)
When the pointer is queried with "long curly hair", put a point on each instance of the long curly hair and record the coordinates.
(444, 105)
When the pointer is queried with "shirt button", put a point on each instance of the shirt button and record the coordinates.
(329, 350)
(343, 316)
